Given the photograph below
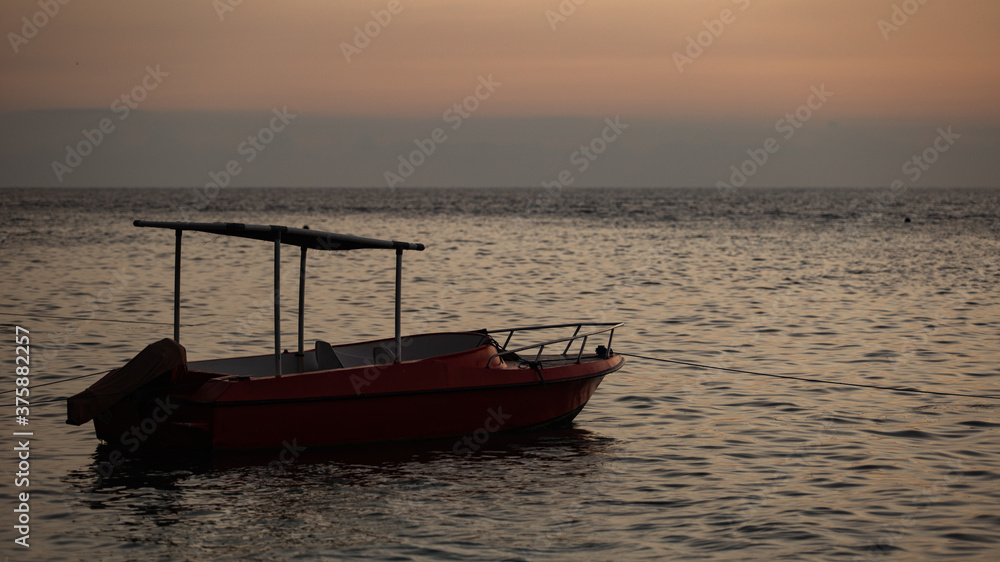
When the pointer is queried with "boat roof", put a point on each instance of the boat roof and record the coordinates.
(304, 237)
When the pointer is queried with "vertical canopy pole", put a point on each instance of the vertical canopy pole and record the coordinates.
(277, 303)
(399, 297)
(177, 285)
(302, 308)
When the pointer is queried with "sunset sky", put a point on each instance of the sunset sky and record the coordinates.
(698, 84)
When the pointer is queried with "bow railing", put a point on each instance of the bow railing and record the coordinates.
(582, 332)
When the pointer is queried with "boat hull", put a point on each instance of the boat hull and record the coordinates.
(455, 396)
(470, 413)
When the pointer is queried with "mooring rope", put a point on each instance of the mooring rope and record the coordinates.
(78, 319)
(806, 379)
(34, 386)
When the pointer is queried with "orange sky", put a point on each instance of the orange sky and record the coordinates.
(899, 71)
(607, 57)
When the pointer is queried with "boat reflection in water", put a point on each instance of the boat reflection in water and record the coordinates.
(355, 497)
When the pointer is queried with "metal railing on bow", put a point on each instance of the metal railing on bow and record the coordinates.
(579, 334)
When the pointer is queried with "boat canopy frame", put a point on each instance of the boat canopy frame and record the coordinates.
(306, 239)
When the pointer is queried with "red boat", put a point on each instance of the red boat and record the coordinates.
(455, 384)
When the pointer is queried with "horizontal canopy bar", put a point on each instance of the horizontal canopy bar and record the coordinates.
(315, 239)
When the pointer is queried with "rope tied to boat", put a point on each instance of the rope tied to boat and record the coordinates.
(536, 365)
(807, 379)
(33, 386)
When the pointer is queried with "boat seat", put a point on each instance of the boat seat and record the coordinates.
(383, 356)
(326, 357)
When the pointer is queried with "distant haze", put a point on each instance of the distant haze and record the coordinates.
(500, 93)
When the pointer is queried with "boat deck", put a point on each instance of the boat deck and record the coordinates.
(552, 360)
(326, 357)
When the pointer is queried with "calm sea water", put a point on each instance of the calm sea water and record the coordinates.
(665, 462)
